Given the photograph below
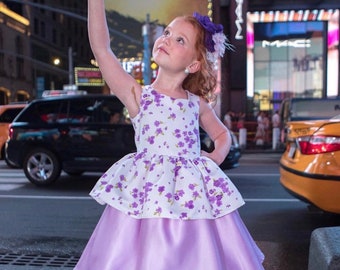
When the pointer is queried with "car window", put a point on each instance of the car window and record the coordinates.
(9, 115)
(336, 117)
(96, 110)
(111, 111)
(84, 110)
(48, 112)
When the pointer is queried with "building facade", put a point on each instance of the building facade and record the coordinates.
(284, 49)
(15, 69)
(57, 42)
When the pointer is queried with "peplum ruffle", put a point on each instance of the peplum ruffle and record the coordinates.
(144, 186)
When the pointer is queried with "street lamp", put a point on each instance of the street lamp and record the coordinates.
(56, 61)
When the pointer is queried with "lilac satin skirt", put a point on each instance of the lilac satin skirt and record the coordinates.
(120, 242)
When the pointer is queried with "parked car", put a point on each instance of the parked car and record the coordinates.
(7, 114)
(298, 109)
(75, 134)
(310, 165)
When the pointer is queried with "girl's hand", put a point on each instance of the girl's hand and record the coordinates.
(218, 159)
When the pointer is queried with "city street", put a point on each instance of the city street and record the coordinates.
(45, 228)
(270, 70)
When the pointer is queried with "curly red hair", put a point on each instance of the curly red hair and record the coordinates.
(203, 82)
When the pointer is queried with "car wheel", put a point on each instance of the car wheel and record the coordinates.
(42, 167)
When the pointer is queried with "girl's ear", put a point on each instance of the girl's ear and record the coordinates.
(194, 66)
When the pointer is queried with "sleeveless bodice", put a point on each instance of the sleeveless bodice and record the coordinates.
(168, 126)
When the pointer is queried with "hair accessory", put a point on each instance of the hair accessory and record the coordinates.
(215, 40)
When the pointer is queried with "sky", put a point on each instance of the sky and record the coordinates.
(162, 10)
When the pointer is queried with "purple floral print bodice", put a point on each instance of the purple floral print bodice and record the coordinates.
(167, 125)
(167, 177)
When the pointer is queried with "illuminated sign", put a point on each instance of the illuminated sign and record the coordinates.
(129, 65)
(88, 76)
(298, 43)
(239, 19)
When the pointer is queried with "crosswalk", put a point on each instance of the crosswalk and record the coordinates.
(11, 179)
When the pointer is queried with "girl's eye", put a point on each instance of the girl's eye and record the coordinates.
(166, 33)
(180, 40)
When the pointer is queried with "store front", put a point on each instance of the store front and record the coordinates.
(291, 54)
(7, 97)
(4, 95)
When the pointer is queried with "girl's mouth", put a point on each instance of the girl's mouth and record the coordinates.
(161, 49)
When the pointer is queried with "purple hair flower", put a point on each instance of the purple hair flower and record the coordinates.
(214, 39)
(210, 29)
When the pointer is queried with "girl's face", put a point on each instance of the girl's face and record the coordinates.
(175, 49)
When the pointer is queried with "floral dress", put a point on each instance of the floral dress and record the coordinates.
(167, 177)
(168, 207)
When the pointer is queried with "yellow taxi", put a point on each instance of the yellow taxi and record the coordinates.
(7, 113)
(310, 165)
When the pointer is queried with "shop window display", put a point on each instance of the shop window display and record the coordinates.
(289, 55)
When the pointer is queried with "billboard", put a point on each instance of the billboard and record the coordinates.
(88, 77)
(293, 53)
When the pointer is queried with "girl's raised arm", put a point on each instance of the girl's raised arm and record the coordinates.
(124, 86)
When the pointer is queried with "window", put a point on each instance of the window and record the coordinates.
(62, 40)
(43, 29)
(288, 60)
(54, 36)
(19, 59)
(1, 40)
(292, 54)
(2, 63)
(2, 55)
(9, 115)
(93, 110)
(36, 26)
(46, 112)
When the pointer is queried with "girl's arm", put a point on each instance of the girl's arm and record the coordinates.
(119, 81)
(218, 133)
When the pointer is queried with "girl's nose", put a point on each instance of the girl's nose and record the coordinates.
(167, 39)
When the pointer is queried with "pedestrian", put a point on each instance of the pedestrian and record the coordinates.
(115, 118)
(241, 120)
(260, 130)
(276, 122)
(228, 120)
(266, 127)
(168, 205)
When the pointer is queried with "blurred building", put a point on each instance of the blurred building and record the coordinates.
(15, 70)
(55, 41)
(58, 41)
(283, 49)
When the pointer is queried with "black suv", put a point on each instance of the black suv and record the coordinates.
(75, 134)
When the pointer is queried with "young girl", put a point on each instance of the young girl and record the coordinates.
(169, 206)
